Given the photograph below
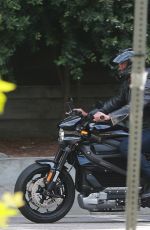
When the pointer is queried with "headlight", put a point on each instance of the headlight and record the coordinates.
(61, 134)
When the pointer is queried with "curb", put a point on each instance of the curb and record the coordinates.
(3, 155)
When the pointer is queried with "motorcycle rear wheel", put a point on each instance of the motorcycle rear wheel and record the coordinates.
(44, 209)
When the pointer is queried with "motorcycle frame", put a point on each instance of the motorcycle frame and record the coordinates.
(97, 165)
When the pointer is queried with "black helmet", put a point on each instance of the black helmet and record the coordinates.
(125, 56)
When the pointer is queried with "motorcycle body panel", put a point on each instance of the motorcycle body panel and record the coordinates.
(69, 123)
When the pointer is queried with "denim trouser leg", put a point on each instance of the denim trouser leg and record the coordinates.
(145, 165)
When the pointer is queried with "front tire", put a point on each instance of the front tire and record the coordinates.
(45, 209)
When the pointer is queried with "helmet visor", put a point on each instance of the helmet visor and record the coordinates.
(124, 57)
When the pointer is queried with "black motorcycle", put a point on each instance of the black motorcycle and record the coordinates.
(100, 173)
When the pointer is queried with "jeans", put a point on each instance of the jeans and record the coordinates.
(145, 164)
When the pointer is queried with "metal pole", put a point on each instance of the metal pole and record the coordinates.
(138, 79)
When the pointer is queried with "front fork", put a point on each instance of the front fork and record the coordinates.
(56, 166)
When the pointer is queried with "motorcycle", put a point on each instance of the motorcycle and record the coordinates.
(100, 172)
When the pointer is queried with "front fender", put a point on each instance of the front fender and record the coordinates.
(52, 164)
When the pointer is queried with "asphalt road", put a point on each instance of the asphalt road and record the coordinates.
(88, 222)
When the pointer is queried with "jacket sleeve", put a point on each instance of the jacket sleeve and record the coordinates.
(115, 102)
(122, 113)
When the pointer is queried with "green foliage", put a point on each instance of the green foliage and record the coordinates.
(80, 32)
(92, 31)
(13, 23)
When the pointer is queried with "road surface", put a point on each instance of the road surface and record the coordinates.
(72, 222)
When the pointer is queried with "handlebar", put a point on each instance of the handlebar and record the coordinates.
(88, 118)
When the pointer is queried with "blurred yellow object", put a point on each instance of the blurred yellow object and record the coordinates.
(5, 213)
(15, 200)
(3, 100)
(4, 88)
(8, 206)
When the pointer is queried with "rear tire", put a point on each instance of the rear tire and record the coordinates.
(30, 182)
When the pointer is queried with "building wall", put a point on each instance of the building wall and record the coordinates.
(34, 111)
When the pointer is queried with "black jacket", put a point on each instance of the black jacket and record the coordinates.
(118, 107)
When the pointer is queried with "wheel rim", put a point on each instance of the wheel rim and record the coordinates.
(40, 203)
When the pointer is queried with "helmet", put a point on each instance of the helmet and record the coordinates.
(125, 56)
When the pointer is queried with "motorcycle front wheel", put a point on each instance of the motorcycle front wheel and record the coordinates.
(41, 208)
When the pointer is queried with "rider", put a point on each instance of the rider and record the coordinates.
(117, 108)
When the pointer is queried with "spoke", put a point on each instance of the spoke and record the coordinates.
(30, 200)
